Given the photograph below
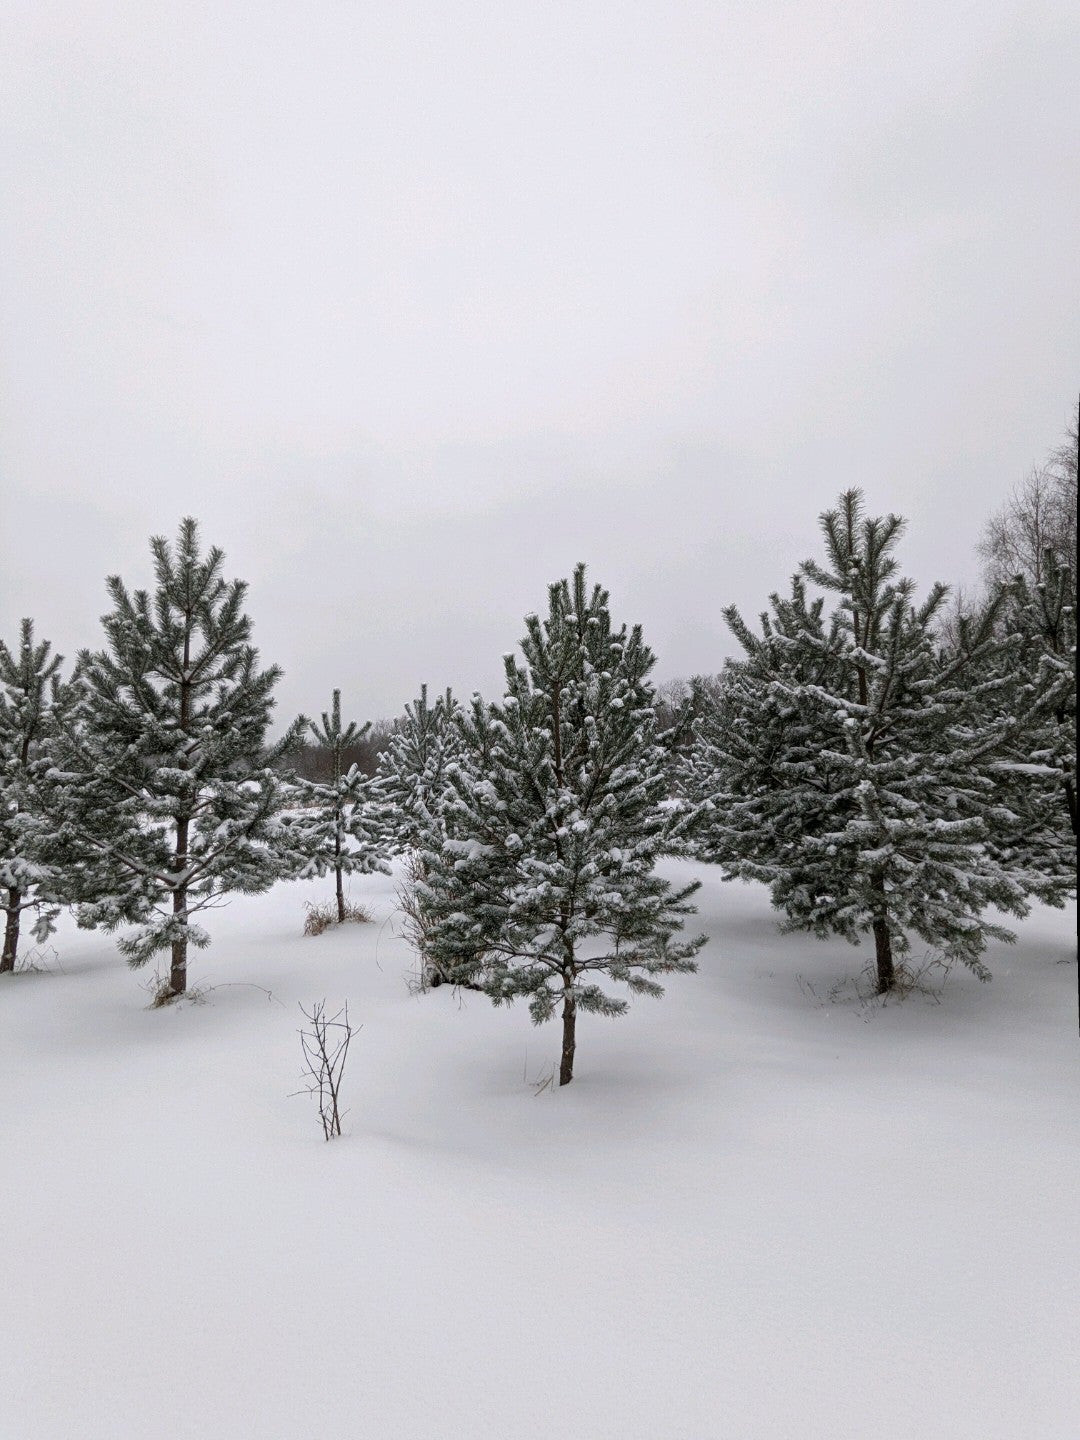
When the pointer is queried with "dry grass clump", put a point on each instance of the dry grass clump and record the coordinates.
(161, 993)
(320, 917)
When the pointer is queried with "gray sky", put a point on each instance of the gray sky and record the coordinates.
(414, 305)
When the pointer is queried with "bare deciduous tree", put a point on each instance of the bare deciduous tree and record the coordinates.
(1040, 515)
(325, 1044)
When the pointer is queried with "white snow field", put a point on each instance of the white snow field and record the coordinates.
(764, 1208)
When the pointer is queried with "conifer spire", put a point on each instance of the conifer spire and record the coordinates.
(850, 764)
(30, 698)
(167, 796)
(339, 827)
(538, 879)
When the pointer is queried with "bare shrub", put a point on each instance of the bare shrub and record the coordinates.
(415, 927)
(159, 988)
(42, 960)
(321, 916)
(325, 1044)
(925, 978)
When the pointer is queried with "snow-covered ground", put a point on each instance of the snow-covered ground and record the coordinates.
(765, 1208)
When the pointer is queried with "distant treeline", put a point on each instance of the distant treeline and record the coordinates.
(316, 762)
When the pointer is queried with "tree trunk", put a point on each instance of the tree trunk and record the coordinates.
(569, 1042)
(14, 905)
(337, 873)
(886, 973)
(11, 930)
(178, 969)
(1070, 802)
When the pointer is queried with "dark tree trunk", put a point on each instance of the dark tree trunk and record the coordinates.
(569, 1040)
(11, 930)
(886, 972)
(337, 873)
(1070, 803)
(178, 969)
(14, 906)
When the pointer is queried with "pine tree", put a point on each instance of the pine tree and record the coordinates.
(165, 795)
(412, 785)
(1044, 616)
(412, 771)
(29, 692)
(1036, 775)
(1028, 548)
(850, 767)
(339, 827)
(755, 775)
(538, 877)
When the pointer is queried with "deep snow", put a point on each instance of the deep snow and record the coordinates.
(765, 1207)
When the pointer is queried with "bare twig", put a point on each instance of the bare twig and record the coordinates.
(247, 985)
(325, 1045)
(39, 961)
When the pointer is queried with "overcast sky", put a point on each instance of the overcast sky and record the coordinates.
(414, 305)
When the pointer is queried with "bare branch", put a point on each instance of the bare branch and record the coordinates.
(325, 1047)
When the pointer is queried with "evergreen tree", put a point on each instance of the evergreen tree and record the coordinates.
(29, 691)
(1044, 616)
(1028, 547)
(850, 767)
(538, 876)
(1036, 776)
(167, 797)
(412, 773)
(412, 785)
(339, 829)
(755, 774)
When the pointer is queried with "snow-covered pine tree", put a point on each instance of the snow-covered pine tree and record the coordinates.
(168, 796)
(1045, 618)
(30, 691)
(851, 767)
(540, 879)
(1028, 548)
(338, 828)
(1048, 618)
(754, 779)
(412, 784)
(1036, 775)
(411, 776)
